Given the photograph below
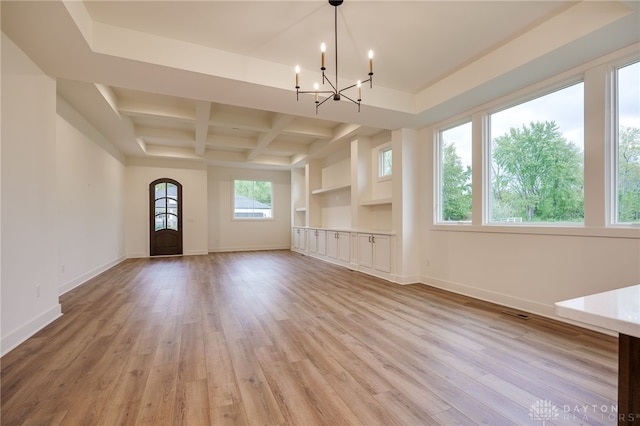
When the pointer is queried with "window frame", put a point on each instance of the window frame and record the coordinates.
(613, 146)
(439, 169)
(521, 98)
(381, 152)
(233, 201)
(598, 194)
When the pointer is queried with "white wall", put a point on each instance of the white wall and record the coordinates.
(90, 201)
(29, 237)
(226, 234)
(194, 204)
(528, 271)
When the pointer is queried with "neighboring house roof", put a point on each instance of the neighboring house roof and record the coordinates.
(243, 202)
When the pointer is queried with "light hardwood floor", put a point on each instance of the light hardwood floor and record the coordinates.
(276, 338)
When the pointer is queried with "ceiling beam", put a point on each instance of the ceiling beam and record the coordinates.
(279, 122)
(288, 148)
(203, 112)
(167, 112)
(230, 142)
(166, 133)
(316, 132)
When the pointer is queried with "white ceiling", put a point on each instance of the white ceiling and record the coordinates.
(213, 81)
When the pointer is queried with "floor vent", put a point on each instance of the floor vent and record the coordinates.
(516, 314)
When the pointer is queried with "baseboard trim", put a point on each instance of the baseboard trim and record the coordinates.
(407, 279)
(14, 339)
(195, 253)
(536, 308)
(255, 248)
(76, 282)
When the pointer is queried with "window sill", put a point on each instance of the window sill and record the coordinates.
(558, 230)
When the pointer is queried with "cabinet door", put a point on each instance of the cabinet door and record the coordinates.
(313, 240)
(382, 252)
(295, 238)
(303, 239)
(322, 242)
(344, 246)
(365, 251)
(332, 244)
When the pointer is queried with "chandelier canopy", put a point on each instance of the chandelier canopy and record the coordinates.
(335, 93)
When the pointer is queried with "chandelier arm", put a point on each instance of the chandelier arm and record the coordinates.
(329, 92)
(324, 78)
(353, 85)
(355, 102)
(323, 101)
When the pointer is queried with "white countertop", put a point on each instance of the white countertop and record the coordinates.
(617, 310)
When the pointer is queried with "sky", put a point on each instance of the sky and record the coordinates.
(565, 107)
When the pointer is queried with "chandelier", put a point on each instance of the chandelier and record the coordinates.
(335, 93)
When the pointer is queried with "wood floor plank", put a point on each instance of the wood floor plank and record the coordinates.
(276, 338)
(257, 397)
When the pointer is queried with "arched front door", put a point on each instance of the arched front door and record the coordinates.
(165, 204)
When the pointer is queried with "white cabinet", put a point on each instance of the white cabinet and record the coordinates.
(299, 238)
(374, 252)
(338, 246)
(318, 241)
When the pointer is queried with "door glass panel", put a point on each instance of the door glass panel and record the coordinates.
(172, 210)
(172, 222)
(161, 203)
(161, 190)
(161, 221)
(172, 191)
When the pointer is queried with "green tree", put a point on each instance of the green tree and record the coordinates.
(541, 173)
(629, 174)
(255, 189)
(456, 186)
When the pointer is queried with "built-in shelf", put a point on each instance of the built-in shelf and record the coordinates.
(301, 209)
(378, 202)
(329, 189)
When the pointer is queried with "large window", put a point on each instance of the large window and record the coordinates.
(252, 199)
(455, 174)
(537, 160)
(628, 144)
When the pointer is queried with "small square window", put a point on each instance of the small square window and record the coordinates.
(252, 199)
(385, 167)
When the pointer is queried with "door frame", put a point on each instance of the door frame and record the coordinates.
(152, 215)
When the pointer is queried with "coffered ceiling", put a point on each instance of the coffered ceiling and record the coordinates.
(212, 81)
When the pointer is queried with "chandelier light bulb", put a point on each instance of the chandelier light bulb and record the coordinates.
(370, 62)
(323, 48)
(359, 84)
(297, 76)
